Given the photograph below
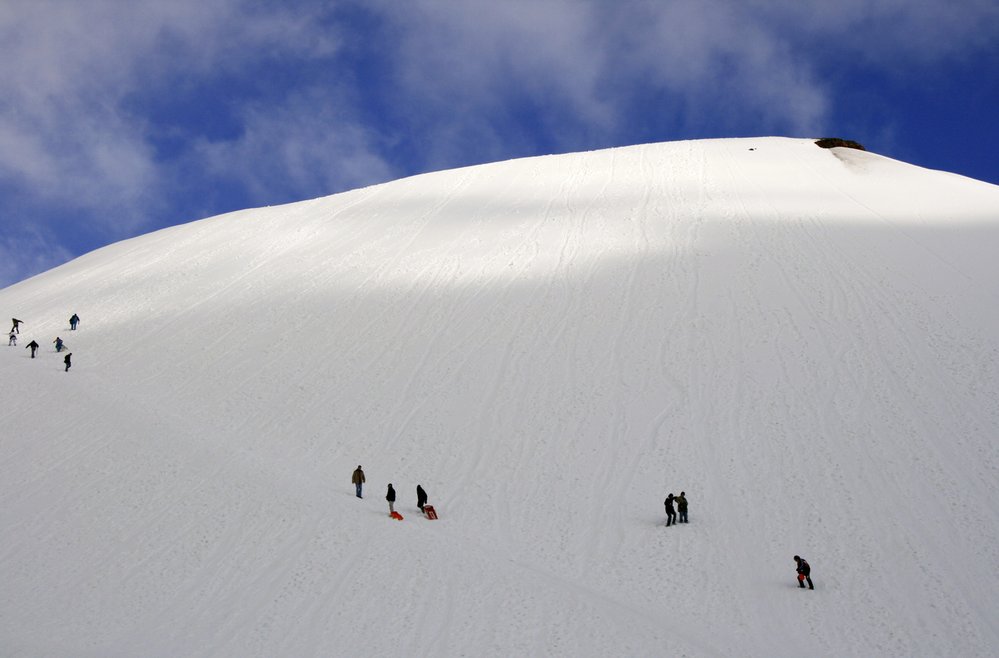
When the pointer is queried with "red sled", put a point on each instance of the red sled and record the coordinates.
(396, 516)
(430, 512)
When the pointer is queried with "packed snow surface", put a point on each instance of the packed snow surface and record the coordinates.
(803, 340)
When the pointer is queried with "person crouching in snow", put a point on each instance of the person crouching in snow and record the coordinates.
(390, 497)
(804, 572)
(12, 340)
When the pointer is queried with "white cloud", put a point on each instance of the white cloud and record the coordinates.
(26, 250)
(723, 64)
(753, 66)
(69, 67)
(581, 63)
(886, 32)
(312, 144)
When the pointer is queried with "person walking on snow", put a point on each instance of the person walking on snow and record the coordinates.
(66, 360)
(421, 497)
(32, 346)
(15, 327)
(804, 572)
(681, 507)
(390, 497)
(58, 344)
(358, 479)
(12, 340)
(670, 512)
(73, 321)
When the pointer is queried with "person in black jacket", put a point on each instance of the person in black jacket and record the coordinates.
(390, 497)
(17, 325)
(670, 512)
(32, 346)
(421, 497)
(66, 360)
(73, 321)
(804, 572)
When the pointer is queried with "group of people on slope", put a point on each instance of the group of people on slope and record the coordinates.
(358, 479)
(681, 506)
(802, 567)
(15, 330)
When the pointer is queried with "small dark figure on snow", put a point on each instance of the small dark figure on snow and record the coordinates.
(681, 507)
(390, 497)
(67, 360)
(12, 340)
(73, 321)
(804, 572)
(58, 344)
(358, 479)
(670, 512)
(15, 328)
(421, 497)
(32, 346)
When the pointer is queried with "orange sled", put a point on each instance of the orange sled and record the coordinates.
(396, 516)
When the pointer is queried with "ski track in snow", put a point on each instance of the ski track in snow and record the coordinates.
(802, 340)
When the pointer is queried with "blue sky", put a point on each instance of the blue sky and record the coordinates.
(118, 118)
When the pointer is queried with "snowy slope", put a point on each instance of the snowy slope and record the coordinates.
(803, 340)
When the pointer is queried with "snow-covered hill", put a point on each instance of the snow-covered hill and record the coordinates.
(803, 340)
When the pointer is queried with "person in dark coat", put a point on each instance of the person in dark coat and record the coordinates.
(67, 361)
(390, 497)
(670, 512)
(681, 507)
(421, 497)
(17, 323)
(73, 321)
(358, 479)
(804, 572)
(58, 344)
(32, 346)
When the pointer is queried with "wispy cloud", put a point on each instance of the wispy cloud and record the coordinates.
(887, 32)
(578, 68)
(310, 144)
(29, 251)
(725, 66)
